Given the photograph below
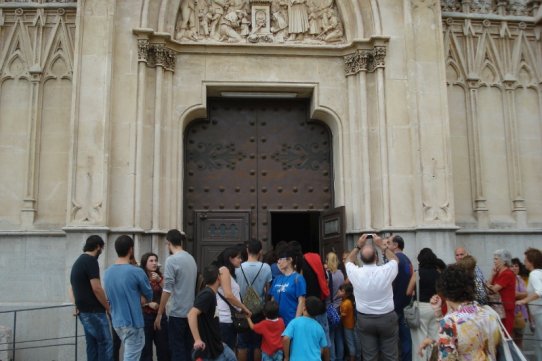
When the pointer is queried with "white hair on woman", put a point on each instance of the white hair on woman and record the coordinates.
(504, 255)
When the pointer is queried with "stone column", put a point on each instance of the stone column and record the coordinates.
(28, 213)
(481, 212)
(513, 158)
(91, 114)
(357, 65)
(359, 201)
(434, 207)
(431, 112)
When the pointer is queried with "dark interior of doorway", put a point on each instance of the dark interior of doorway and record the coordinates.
(296, 226)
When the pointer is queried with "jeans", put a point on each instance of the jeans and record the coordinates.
(337, 342)
(117, 343)
(226, 355)
(322, 320)
(158, 337)
(133, 340)
(405, 338)
(350, 339)
(180, 339)
(97, 335)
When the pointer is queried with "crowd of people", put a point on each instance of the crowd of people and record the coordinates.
(290, 305)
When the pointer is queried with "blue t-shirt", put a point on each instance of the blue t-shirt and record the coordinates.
(286, 290)
(275, 271)
(124, 285)
(307, 339)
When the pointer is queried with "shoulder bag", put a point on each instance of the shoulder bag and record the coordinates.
(412, 311)
(239, 319)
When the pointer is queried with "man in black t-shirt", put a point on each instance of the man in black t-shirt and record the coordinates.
(90, 301)
(203, 321)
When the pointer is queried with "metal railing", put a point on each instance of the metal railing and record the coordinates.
(16, 344)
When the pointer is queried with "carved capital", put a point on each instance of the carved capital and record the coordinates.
(142, 50)
(356, 62)
(379, 54)
(365, 60)
(164, 57)
(156, 55)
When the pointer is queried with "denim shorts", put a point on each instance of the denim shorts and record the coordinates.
(277, 356)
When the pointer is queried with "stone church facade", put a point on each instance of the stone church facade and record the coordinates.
(419, 117)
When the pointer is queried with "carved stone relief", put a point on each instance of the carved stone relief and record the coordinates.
(492, 62)
(496, 7)
(36, 61)
(40, 1)
(259, 21)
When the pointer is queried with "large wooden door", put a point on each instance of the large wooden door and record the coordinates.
(332, 231)
(255, 156)
(217, 230)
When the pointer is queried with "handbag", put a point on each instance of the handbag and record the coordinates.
(412, 311)
(431, 352)
(333, 317)
(238, 318)
(519, 321)
(508, 350)
(494, 300)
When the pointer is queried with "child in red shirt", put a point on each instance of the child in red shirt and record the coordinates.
(271, 330)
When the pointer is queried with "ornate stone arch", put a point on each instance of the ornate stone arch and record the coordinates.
(359, 20)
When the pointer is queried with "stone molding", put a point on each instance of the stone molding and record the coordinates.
(490, 8)
(156, 55)
(160, 49)
(365, 60)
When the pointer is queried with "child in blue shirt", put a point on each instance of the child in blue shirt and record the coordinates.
(304, 338)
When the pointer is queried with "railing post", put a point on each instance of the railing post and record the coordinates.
(13, 342)
(75, 338)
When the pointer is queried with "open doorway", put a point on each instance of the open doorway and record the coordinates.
(296, 226)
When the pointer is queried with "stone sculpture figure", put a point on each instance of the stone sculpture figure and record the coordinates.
(204, 17)
(333, 30)
(314, 21)
(298, 16)
(230, 24)
(188, 20)
(218, 8)
(280, 26)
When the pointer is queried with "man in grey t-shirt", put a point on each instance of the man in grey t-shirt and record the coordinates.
(180, 275)
(258, 274)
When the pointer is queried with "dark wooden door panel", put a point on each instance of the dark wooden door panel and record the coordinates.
(257, 156)
(333, 231)
(217, 230)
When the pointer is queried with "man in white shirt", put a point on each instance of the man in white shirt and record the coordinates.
(376, 319)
